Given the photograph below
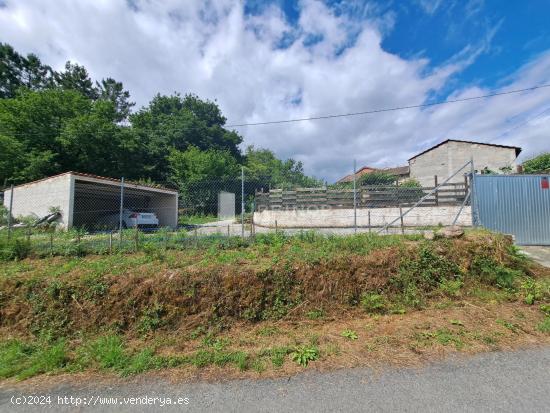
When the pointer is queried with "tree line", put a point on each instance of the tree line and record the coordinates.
(56, 121)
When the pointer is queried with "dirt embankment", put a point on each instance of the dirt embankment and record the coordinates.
(182, 297)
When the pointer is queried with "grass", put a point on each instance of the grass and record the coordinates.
(197, 219)
(271, 305)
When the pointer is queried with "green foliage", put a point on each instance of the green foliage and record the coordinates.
(428, 269)
(107, 351)
(494, 273)
(3, 214)
(377, 178)
(533, 291)
(507, 324)
(451, 288)
(151, 319)
(203, 358)
(194, 166)
(373, 303)
(349, 334)
(23, 360)
(544, 325)
(264, 170)
(304, 354)
(14, 249)
(278, 355)
(55, 121)
(538, 164)
(315, 314)
(197, 219)
(410, 183)
(22, 71)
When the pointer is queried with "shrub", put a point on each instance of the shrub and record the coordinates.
(315, 314)
(544, 325)
(377, 178)
(493, 273)
(425, 270)
(373, 303)
(538, 164)
(17, 249)
(349, 334)
(304, 354)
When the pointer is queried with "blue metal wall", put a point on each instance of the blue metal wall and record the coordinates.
(514, 204)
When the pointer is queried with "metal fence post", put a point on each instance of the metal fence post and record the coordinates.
(9, 212)
(121, 208)
(242, 201)
(472, 192)
(252, 227)
(354, 197)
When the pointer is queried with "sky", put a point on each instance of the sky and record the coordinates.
(274, 60)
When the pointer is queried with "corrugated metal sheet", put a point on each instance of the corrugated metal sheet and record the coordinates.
(514, 204)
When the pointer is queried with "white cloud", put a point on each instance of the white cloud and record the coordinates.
(215, 50)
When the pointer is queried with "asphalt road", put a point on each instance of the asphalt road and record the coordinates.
(504, 382)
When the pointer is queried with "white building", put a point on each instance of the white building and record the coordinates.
(84, 199)
(443, 159)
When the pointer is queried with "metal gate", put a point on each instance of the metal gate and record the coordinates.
(514, 204)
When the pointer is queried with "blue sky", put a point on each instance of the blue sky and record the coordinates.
(281, 59)
(511, 31)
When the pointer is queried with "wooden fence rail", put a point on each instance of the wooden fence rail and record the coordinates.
(367, 197)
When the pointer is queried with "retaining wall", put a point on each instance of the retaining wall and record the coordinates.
(343, 218)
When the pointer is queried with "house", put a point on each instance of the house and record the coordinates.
(360, 172)
(443, 159)
(401, 172)
(84, 200)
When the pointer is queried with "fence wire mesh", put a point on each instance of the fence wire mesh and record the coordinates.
(78, 214)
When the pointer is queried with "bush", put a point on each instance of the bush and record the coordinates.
(303, 355)
(494, 273)
(377, 178)
(373, 303)
(3, 215)
(538, 164)
(17, 249)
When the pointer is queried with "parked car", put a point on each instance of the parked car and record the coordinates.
(130, 219)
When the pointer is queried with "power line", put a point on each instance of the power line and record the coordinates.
(368, 112)
(521, 124)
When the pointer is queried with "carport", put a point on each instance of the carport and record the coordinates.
(84, 199)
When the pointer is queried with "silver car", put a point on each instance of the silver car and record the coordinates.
(130, 219)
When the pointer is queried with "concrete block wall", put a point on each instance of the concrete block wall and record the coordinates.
(447, 158)
(34, 199)
(166, 208)
(379, 217)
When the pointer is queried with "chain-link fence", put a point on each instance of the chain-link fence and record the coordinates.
(79, 213)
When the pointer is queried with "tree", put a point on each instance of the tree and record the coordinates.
(193, 166)
(90, 141)
(266, 170)
(53, 131)
(173, 122)
(111, 90)
(76, 77)
(18, 71)
(12, 156)
(201, 175)
(538, 164)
